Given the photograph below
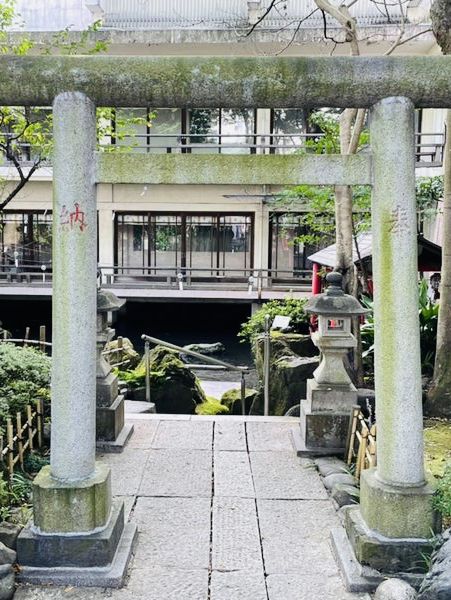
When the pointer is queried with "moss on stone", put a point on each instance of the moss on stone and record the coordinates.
(232, 400)
(232, 82)
(211, 406)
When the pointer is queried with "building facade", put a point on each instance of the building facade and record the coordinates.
(211, 241)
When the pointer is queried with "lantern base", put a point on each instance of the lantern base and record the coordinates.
(323, 432)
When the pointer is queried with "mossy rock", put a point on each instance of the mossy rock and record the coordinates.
(173, 387)
(212, 406)
(128, 353)
(287, 383)
(232, 400)
(282, 344)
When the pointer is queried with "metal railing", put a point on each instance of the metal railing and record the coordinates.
(252, 280)
(229, 14)
(212, 362)
(428, 146)
(171, 278)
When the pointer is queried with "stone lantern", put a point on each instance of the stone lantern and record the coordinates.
(111, 432)
(331, 394)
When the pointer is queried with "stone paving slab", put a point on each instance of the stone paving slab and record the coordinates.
(127, 470)
(168, 491)
(184, 434)
(176, 472)
(233, 475)
(167, 584)
(295, 536)
(284, 475)
(236, 539)
(230, 436)
(308, 587)
(238, 585)
(269, 437)
(143, 434)
(173, 533)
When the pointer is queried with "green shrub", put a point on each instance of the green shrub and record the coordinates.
(290, 307)
(428, 317)
(24, 377)
(442, 498)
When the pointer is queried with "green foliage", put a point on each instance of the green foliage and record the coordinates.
(317, 203)
(211, 406)
(428, 312)
(24, 377)
(429, 191)
(290, 307)
(33, 462)
(428, 317)
(442, 497)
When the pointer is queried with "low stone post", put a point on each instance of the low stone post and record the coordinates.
(112, 433)
(75, 524)
(393, 527)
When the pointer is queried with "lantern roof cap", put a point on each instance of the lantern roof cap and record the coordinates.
(334, 302)
(107, 301)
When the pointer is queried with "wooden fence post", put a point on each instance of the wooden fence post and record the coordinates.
(19, 438)
(42, 336)
(10, 439)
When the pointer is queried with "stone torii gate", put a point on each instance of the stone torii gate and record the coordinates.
(78, 535)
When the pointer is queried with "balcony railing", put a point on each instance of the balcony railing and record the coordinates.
(230, 14)
(171, 278)
(428, 146)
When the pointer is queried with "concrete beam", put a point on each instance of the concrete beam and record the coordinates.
(251, 169)
(228, 82)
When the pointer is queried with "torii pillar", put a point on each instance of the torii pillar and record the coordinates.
(393, 528)
(78, 535)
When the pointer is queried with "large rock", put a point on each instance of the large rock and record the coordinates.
(7, 578)
(437, 583)
(173, 387)
(7, 556)
(293, 358)
(232, 400)
(9, 533)
(204, 349)
(395, 589)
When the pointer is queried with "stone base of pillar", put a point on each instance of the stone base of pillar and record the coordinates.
(67, 507)
(112, 434)
(397, 512)
(386, 555)
(321, 433)
(78, 536)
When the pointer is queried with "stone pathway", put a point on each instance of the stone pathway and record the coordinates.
(225, 511)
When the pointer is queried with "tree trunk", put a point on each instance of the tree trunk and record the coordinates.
(439, 397)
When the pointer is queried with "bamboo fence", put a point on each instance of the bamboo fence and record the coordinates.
(23, 435)
(361, 446)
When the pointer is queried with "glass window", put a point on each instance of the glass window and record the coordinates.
(27, 238)
(201, 245)
(237, 129)
(288, 256)
(288, 125)
(130, 128)
(165, 129)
